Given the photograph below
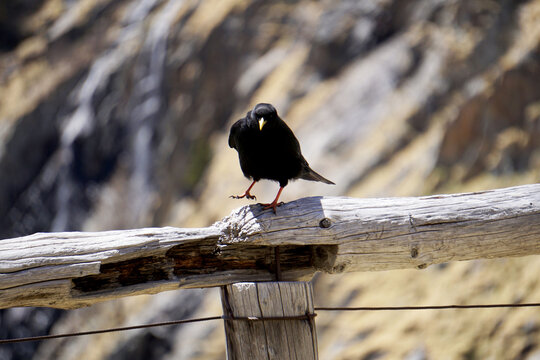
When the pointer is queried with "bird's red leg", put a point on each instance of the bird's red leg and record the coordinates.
(274, 204)
(246, 194)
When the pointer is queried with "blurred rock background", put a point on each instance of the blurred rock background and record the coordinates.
(115, 114)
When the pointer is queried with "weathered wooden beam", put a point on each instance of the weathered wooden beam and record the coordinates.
(330, 234)
(288, 331)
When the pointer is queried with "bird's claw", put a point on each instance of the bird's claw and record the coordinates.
(272, 206)
(246, 195)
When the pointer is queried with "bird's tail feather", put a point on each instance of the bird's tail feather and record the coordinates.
(309, 174)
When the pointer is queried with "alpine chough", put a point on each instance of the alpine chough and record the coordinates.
(268, 149)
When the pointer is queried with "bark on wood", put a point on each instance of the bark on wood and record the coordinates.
(269, 339)
(330, 234)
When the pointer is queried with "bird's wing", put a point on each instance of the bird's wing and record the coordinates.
(288, 138)
(293, 143)
(234, 133)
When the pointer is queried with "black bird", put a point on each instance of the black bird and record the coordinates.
(268, 149)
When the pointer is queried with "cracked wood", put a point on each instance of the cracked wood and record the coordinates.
(330, 234)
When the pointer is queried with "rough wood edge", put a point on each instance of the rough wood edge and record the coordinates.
(333, 234)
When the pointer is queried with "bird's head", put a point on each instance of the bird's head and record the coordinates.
(264, 114)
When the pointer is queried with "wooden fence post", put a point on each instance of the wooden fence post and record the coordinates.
(269, 320)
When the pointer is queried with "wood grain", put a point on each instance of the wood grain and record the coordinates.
(330, 234)
(269, 339)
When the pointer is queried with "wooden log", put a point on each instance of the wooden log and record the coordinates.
(330, 234)
(289, 332)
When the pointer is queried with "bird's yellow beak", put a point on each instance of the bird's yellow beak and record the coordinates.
(261, 123)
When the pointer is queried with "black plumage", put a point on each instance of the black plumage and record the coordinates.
(268, 149)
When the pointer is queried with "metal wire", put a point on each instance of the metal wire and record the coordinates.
(257, 318)
(427, 307)
(269, 318)
(101, 331)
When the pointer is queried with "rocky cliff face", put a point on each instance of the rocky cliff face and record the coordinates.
(114, 114)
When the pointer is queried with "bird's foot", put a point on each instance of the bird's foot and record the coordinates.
(246, 195)
(273, 205)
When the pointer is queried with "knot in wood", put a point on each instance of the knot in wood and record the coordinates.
(325, 223)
